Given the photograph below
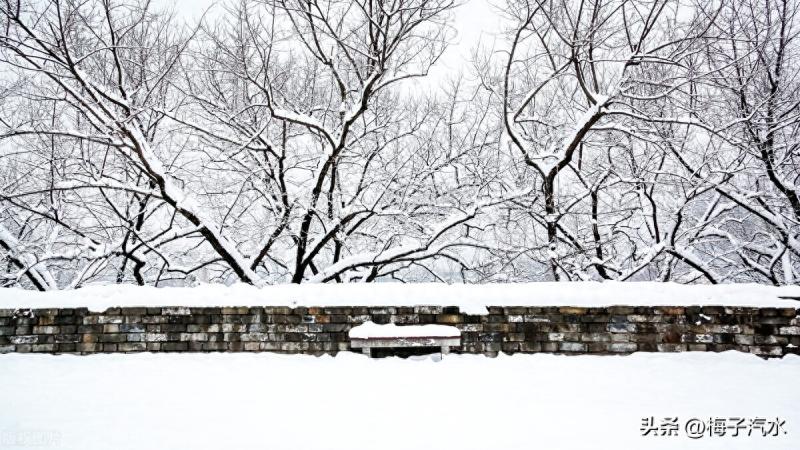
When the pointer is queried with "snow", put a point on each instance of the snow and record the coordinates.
(471, 298)
(464, 402)
(370, 329)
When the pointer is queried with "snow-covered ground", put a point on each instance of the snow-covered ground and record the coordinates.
(270, 401)
(472, 298)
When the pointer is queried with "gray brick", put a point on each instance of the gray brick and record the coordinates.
(622, 347)
(132, 347)
(572, 347)
(23, 339)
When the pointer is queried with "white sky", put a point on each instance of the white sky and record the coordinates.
(475, 21)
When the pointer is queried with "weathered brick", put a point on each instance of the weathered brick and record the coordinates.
(24, 339)
(572, 347)
(111, 338)
(86, 347)
(174, 346)
(771, 340)
(621, 347)
(134, 337)
(132, 347)
(102, 320)
(132, 328)
(595, 337)
(621, 327)
(671, 347)
(764, 350)
(176, 311)
(67, 338)
(254, 337)
(43, 348)
(555, 337)
(429, 309)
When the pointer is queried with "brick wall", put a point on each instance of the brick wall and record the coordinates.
(768, 332)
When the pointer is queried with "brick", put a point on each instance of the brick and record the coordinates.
(102, 320)
(515, 337)
(23, 339)
(646, 338)
(789, 331)
(134, 337)
(555, 337)
(697, 338)
(770, 340)
(536, 318)
(155, 337)
(572, 347)
(67, 338)
(621, 327)
(176, 311)
(84, 347)
(595, 337)
(259, 328)
(154, 319)
(132, 328)
(43, 348)
(621, 347)
(214, 346)
(254, 337)
(596, 347)
(766, 350)
(530, 346)
(671, 347)
(132, 347)
(112, 338)
(174, 346)
(595, 318)
(46, 320)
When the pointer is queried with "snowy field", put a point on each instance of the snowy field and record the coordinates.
(269, 401)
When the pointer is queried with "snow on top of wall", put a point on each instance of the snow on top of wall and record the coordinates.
(471, 299)
(368, 330)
